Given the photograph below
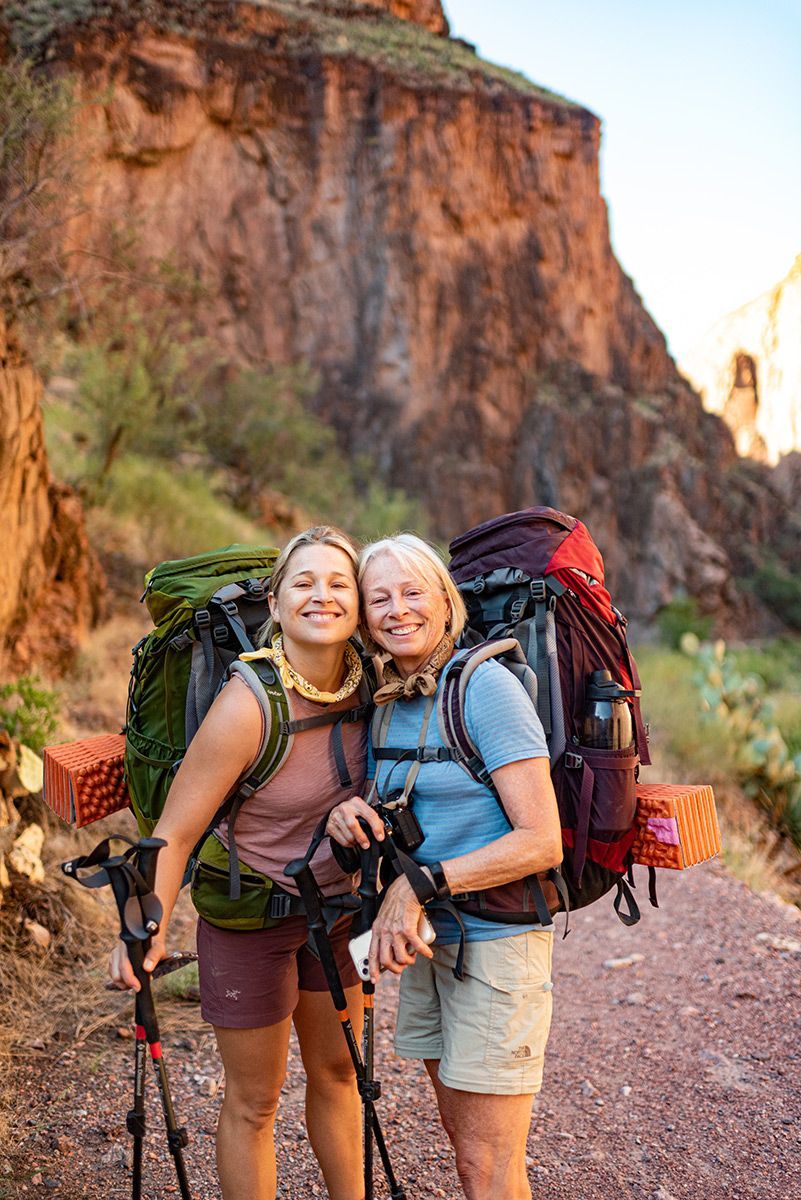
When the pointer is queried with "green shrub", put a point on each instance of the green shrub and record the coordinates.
(32, 22)
(29, 711)
(780, 590)
(777, 662)
(261, 429)
(765, 766)
(36, 173)
(682, 616)
(702, 750)
(174, 511)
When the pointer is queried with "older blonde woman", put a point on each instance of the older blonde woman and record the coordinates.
(482, 1038)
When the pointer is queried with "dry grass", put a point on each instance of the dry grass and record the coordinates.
(95, 692)
(47, 997)
(52, 999)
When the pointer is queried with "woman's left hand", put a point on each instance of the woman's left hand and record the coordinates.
(396, 941)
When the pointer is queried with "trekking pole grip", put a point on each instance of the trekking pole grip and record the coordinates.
(147, 857)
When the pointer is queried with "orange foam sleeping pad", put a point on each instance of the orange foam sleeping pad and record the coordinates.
(677, 825)
(84, 780)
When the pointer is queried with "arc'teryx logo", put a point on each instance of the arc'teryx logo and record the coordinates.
(232, 993)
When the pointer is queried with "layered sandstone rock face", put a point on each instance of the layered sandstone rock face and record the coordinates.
(427, 13)
(748, 369)
(50, 587)
(427, 232)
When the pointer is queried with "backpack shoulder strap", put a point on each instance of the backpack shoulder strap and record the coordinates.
(450, 714)
(265, 684)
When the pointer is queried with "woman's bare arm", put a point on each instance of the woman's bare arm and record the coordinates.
(224, 746)
(533, 844)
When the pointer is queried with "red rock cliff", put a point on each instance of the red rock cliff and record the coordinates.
(50, 586)
(428, 232)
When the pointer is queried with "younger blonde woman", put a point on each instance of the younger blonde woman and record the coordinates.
(255, 985)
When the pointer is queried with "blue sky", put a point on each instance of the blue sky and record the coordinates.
(701, 148)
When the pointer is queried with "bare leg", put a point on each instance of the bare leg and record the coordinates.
(488, 1134)
(255, 1066)
(333, 1107)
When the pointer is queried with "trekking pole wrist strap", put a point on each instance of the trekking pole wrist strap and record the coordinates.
(421, 883)
(443, 891)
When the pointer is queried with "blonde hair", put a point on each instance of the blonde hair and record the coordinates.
(317, 535)
(425, 563)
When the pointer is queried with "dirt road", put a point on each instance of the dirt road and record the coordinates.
(677, 1077)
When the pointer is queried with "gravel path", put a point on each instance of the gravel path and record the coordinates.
(673, 1077)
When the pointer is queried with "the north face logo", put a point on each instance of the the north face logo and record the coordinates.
(522, 1052)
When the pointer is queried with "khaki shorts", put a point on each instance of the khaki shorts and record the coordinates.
(489, 1030)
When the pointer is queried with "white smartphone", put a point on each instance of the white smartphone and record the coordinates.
(359, 947)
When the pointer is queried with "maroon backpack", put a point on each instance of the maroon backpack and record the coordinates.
(538, 577)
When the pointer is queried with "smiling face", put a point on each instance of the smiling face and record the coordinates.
(317, 602)
(405, 615)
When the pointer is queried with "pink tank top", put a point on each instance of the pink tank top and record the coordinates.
(276, 823)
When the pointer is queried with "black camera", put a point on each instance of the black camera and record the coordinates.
(403, 824)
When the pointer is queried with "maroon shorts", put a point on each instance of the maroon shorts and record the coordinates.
(252, 979)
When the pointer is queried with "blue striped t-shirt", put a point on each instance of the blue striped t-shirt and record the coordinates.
(456, 813)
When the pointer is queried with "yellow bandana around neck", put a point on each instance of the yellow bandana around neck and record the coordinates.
(293, 680)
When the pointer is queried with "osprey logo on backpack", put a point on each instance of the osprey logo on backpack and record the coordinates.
(537, 577)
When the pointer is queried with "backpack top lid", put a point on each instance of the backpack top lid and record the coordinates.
(178, 586)
(539, 541)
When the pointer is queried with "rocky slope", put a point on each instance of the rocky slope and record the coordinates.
(748, 369)
(50, 586)
(362, 193)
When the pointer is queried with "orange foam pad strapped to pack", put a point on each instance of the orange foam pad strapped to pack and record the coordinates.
(677, 825)
(84, 781)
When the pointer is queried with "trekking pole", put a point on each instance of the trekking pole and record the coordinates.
(362, 921)
(131, 876)
(369, 1089)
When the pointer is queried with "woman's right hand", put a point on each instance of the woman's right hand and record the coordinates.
(343, 823)
(120, 970)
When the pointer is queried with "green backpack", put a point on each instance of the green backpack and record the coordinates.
(207, 611)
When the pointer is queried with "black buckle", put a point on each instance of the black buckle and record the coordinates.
(538, 591)
(280, 904)
(177, 1139)
(203, 618)
(135, 1123)
(352, 715)
(573, 761)
(479, 583)
(220, 634)
(434, 754)
(256, 588)
(517, 609)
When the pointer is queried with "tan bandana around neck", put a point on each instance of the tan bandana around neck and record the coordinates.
(419, 683)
